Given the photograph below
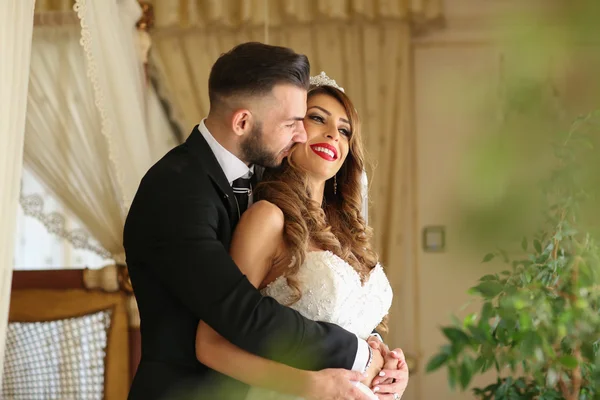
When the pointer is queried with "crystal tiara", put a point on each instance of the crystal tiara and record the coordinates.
(323, 80)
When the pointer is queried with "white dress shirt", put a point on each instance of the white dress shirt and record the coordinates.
(235, 168)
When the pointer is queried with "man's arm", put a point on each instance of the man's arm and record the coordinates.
(220, 355)
(193, 264)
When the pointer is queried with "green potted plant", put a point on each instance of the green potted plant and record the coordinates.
(538, 326)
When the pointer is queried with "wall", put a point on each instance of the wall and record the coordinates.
(457, 63)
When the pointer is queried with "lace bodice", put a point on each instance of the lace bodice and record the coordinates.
(332, 292)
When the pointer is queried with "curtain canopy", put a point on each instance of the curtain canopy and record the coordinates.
(215, 14)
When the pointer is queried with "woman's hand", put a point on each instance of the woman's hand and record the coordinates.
(375, 367)
(393, 378)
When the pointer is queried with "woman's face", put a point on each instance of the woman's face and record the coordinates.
(328, 133)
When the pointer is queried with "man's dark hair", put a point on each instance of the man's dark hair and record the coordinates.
(253, 69)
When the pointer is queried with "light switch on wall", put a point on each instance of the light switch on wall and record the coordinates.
(434, 239)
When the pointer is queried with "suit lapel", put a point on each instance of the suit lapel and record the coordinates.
(198, 146)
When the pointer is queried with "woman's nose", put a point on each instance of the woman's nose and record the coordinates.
(333, 133)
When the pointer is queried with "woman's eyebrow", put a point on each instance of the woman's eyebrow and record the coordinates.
(328, 113)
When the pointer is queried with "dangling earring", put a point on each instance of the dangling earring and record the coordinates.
(335, 184)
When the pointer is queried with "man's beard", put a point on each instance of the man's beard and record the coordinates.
(256, 152)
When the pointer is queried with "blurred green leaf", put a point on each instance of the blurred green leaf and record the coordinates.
(437, 361)
(568, 361)
(452, 376)
(488, 289)
(487, 311)
(488, 277)
(479, 334)
(469, 320)
(466, 372)
(455, 335)
(488, 257)
(529, 343)
(524, 244)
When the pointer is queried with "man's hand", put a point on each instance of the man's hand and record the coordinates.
(334, 384)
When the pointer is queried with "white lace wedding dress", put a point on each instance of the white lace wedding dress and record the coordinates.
(332, 292)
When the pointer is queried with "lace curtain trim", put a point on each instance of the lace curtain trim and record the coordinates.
(55, 223)
(92, 72)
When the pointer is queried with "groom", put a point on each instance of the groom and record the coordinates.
(179, 228)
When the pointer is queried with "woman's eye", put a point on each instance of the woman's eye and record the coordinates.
(317, 118)
(344, 131)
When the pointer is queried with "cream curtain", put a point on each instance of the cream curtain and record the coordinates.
(64, 146)
(364, 45)
(90, 137)
(16, 26)
(110, 42)
(211, 14)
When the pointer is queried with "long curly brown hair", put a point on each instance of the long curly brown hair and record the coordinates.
(337, 224)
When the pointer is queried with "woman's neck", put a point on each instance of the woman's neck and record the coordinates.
(317, 188)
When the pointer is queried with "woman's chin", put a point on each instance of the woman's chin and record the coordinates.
(320, 175)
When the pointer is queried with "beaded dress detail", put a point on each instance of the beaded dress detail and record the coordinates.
(332, 291)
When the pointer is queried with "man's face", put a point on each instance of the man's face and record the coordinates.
(278, 126)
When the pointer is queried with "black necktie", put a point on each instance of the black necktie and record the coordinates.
(242, 189)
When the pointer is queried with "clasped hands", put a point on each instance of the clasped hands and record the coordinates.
(387, 376)
(388, 372)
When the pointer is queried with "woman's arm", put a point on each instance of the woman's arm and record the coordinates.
(217, 353)
(254, 249)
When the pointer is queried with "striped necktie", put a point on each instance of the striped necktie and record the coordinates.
(242, 189)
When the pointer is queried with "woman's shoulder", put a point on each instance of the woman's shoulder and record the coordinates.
(265, 215)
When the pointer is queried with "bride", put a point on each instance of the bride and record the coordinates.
(305, 244)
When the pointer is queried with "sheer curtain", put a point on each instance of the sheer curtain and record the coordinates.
(115, 69)
(64, 145)
(93, 128)
(16, 26)
(36, 248)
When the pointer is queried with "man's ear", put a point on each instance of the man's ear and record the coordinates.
(242, 121)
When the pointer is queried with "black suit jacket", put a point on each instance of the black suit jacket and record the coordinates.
(177, 236)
